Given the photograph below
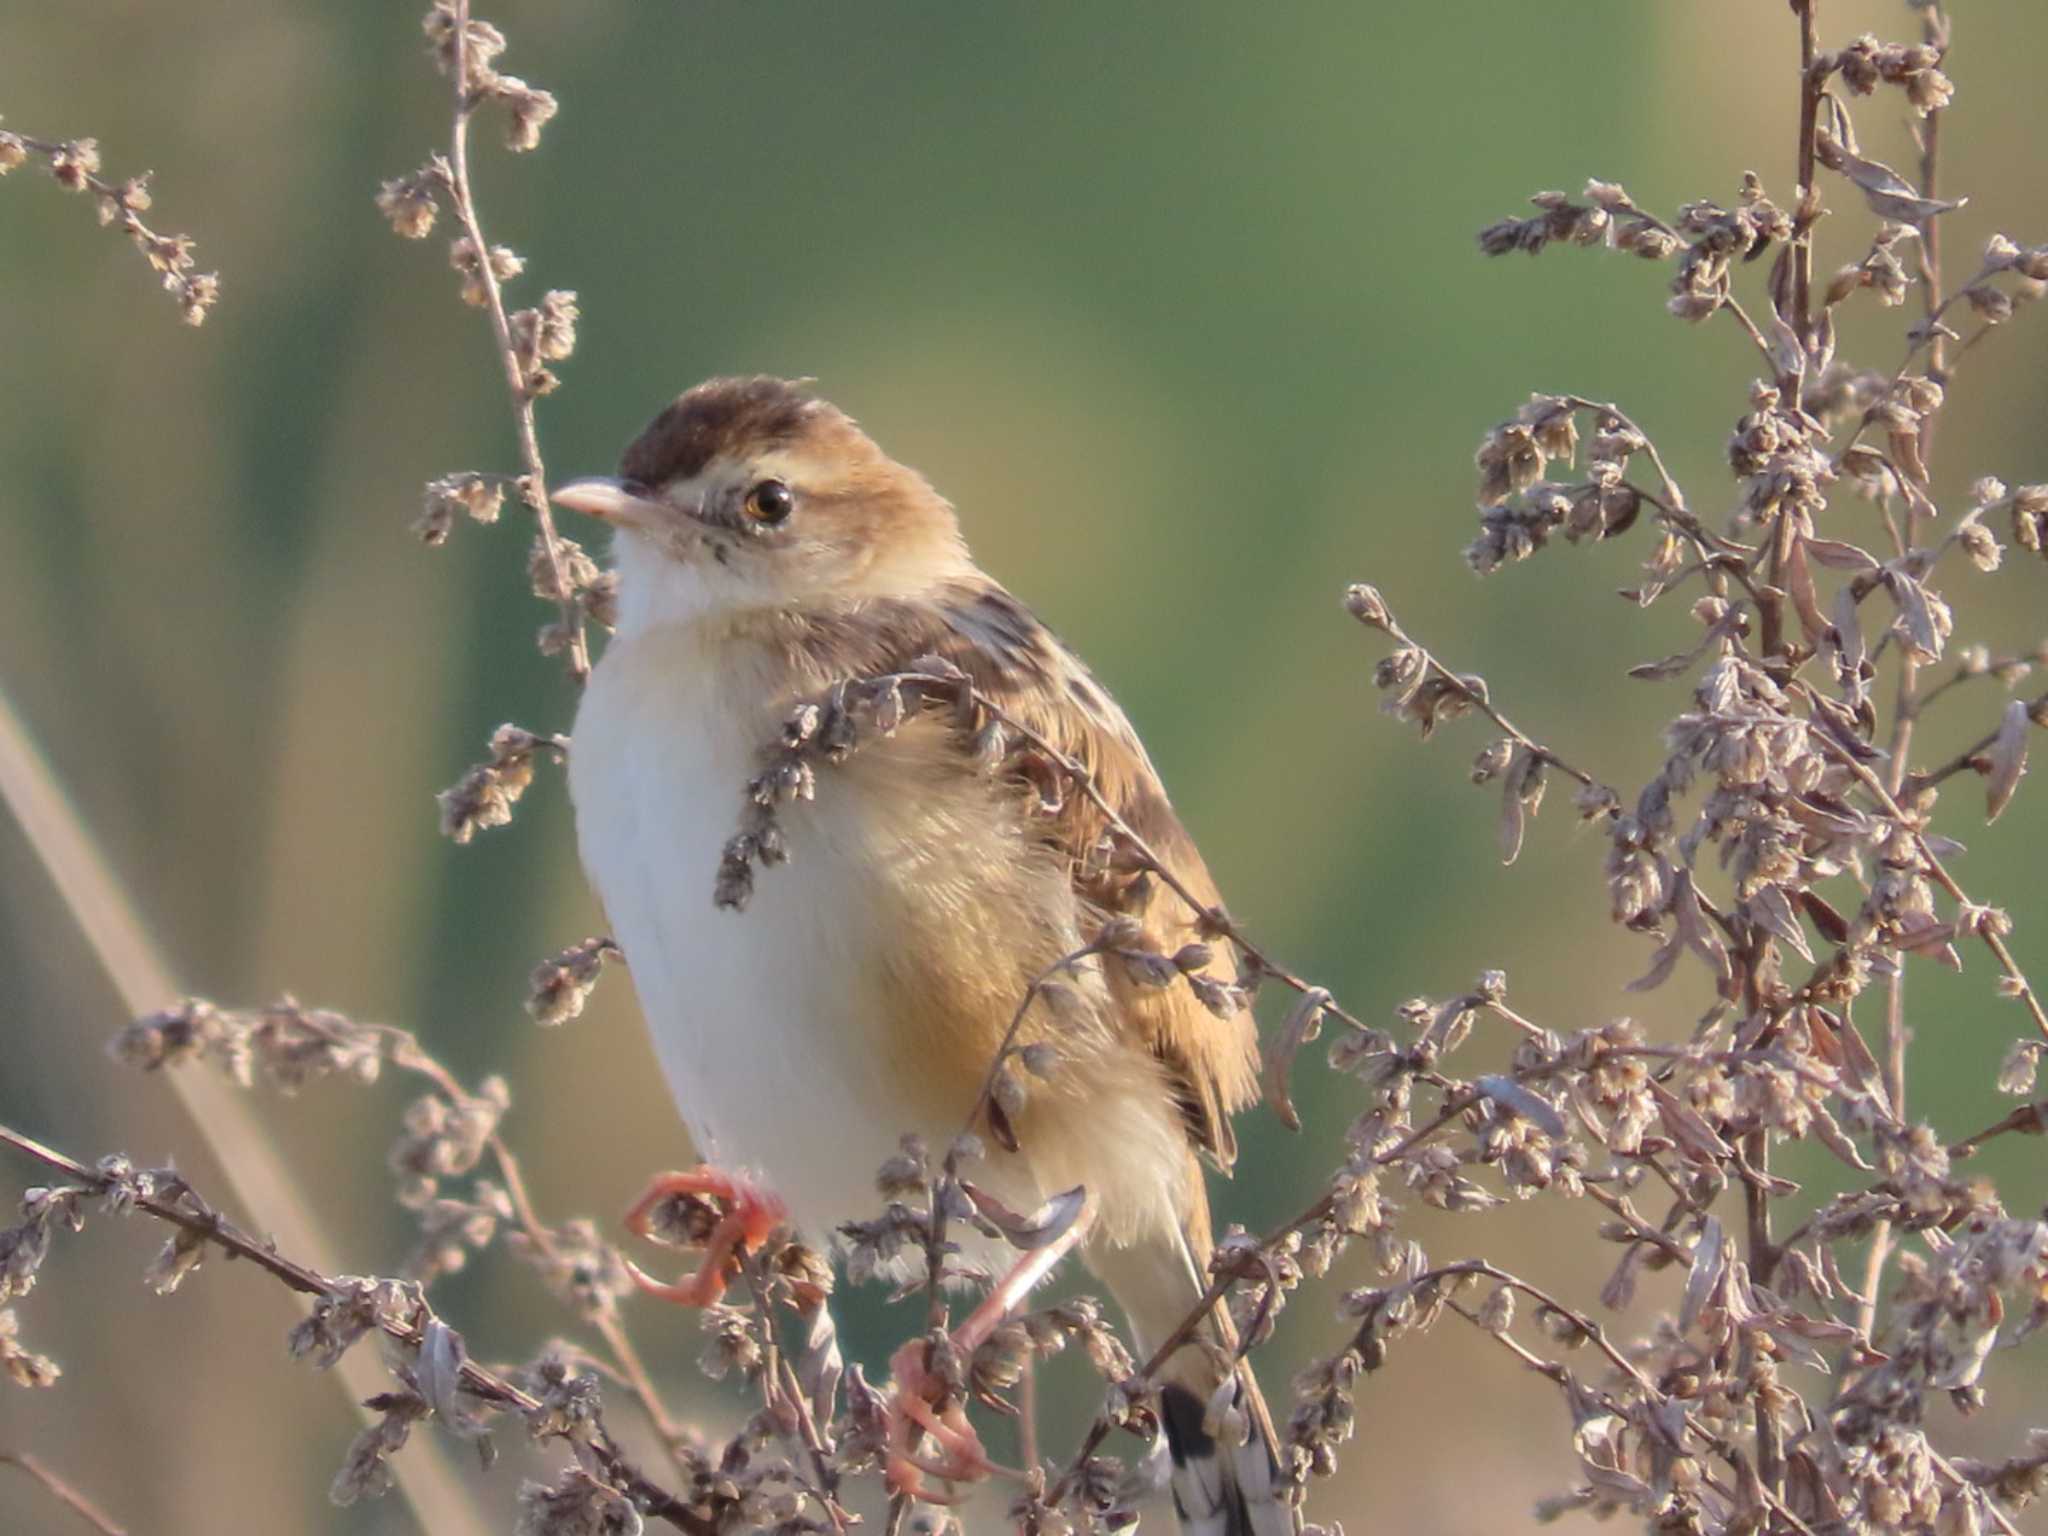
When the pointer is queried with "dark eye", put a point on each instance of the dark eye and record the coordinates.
(770, 502)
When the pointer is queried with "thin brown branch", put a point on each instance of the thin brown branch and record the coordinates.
(74, 163)
(1988, 931)
(100, 905)
(482, 1383)
(2028, 1119)
(1812, 81)
(533, 485)
(624, 1354)
(1215, 919)
(1477, 698)
(404, 1050)
(1967, 759)
(1906, 703)
(1597, 1336)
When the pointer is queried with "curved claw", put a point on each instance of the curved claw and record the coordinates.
(913, 1393)
(751, 1214)
(962, 1457)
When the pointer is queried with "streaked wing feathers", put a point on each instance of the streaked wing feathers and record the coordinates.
(1018, 664)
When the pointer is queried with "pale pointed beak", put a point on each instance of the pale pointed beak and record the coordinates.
(613, 501)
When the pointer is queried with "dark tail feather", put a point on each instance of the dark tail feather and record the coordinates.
(1219, 1488)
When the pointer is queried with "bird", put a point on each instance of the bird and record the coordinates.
(767, 550)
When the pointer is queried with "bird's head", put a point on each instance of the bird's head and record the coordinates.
(752, 494)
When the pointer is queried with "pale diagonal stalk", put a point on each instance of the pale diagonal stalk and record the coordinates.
(248, 1162)
(64, 1493)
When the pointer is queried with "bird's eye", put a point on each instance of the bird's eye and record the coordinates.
(770, 502)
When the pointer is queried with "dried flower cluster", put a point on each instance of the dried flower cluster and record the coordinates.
(484, 796)
(562, 985)
(528, 340)
(1784, 861)
(1781, 867)
(74, 164)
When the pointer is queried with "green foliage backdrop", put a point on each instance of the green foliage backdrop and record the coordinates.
(1178, 302)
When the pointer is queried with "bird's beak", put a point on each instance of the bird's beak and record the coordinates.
(623, 502)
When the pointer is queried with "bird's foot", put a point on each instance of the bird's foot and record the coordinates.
(915, 1410)
(921, 1402)
(740, 1214)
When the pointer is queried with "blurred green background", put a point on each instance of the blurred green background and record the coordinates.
(1179, 303)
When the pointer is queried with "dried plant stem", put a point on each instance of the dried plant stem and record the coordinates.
(1031, 994)
(1763, 1263)
(1906, 705)
(1556, 1372)
(533, 485)
(1948, 1470)
(477, 1380)
(74, 165)
(1811, 83)
(1477, 698)
(64, 1493)
(949, 1179)
(625, 1363)
(1933, 27)
(1734, 307)
(1895, 1086)
(782, 1393)
(792, 1393)
(2029, 1118)
(243, 1152)
(1967, 758)
(1246, 1263)
(625, 1356)
(2023, 988)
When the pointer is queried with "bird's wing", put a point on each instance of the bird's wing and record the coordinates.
(1209, 1050)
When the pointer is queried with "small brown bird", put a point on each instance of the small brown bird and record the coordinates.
(766, 550)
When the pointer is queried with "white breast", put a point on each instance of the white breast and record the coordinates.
(790, 1032)
(759, 1018)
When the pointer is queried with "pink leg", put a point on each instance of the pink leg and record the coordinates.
(914, 1398)
(751, 1215)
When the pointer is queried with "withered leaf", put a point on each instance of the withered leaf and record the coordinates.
(2007, 759)
(1837, 1140)
(1921, 933)
(1304, 1022)
(1698, 932)
(1670, 666)
(1889, 194)
(1030, 1230)
(1508, 830)
(1705, 1273)
(1522, 1101)
(1697, 1141)
(1788, 354)
(1769, 909)
(1662, 964)
(1837, 556)
(1862, 1068)
(1922, 638)
(1805, 600)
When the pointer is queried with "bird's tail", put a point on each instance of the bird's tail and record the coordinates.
(1224, 1486)
(1225, 1453)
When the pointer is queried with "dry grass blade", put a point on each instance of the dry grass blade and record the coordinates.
(247, 1162)
(64, 1493)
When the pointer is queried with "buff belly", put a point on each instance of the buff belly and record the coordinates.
(862, 992)
(765, 1021)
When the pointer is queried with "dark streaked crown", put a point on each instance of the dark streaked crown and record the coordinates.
(730, 417)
